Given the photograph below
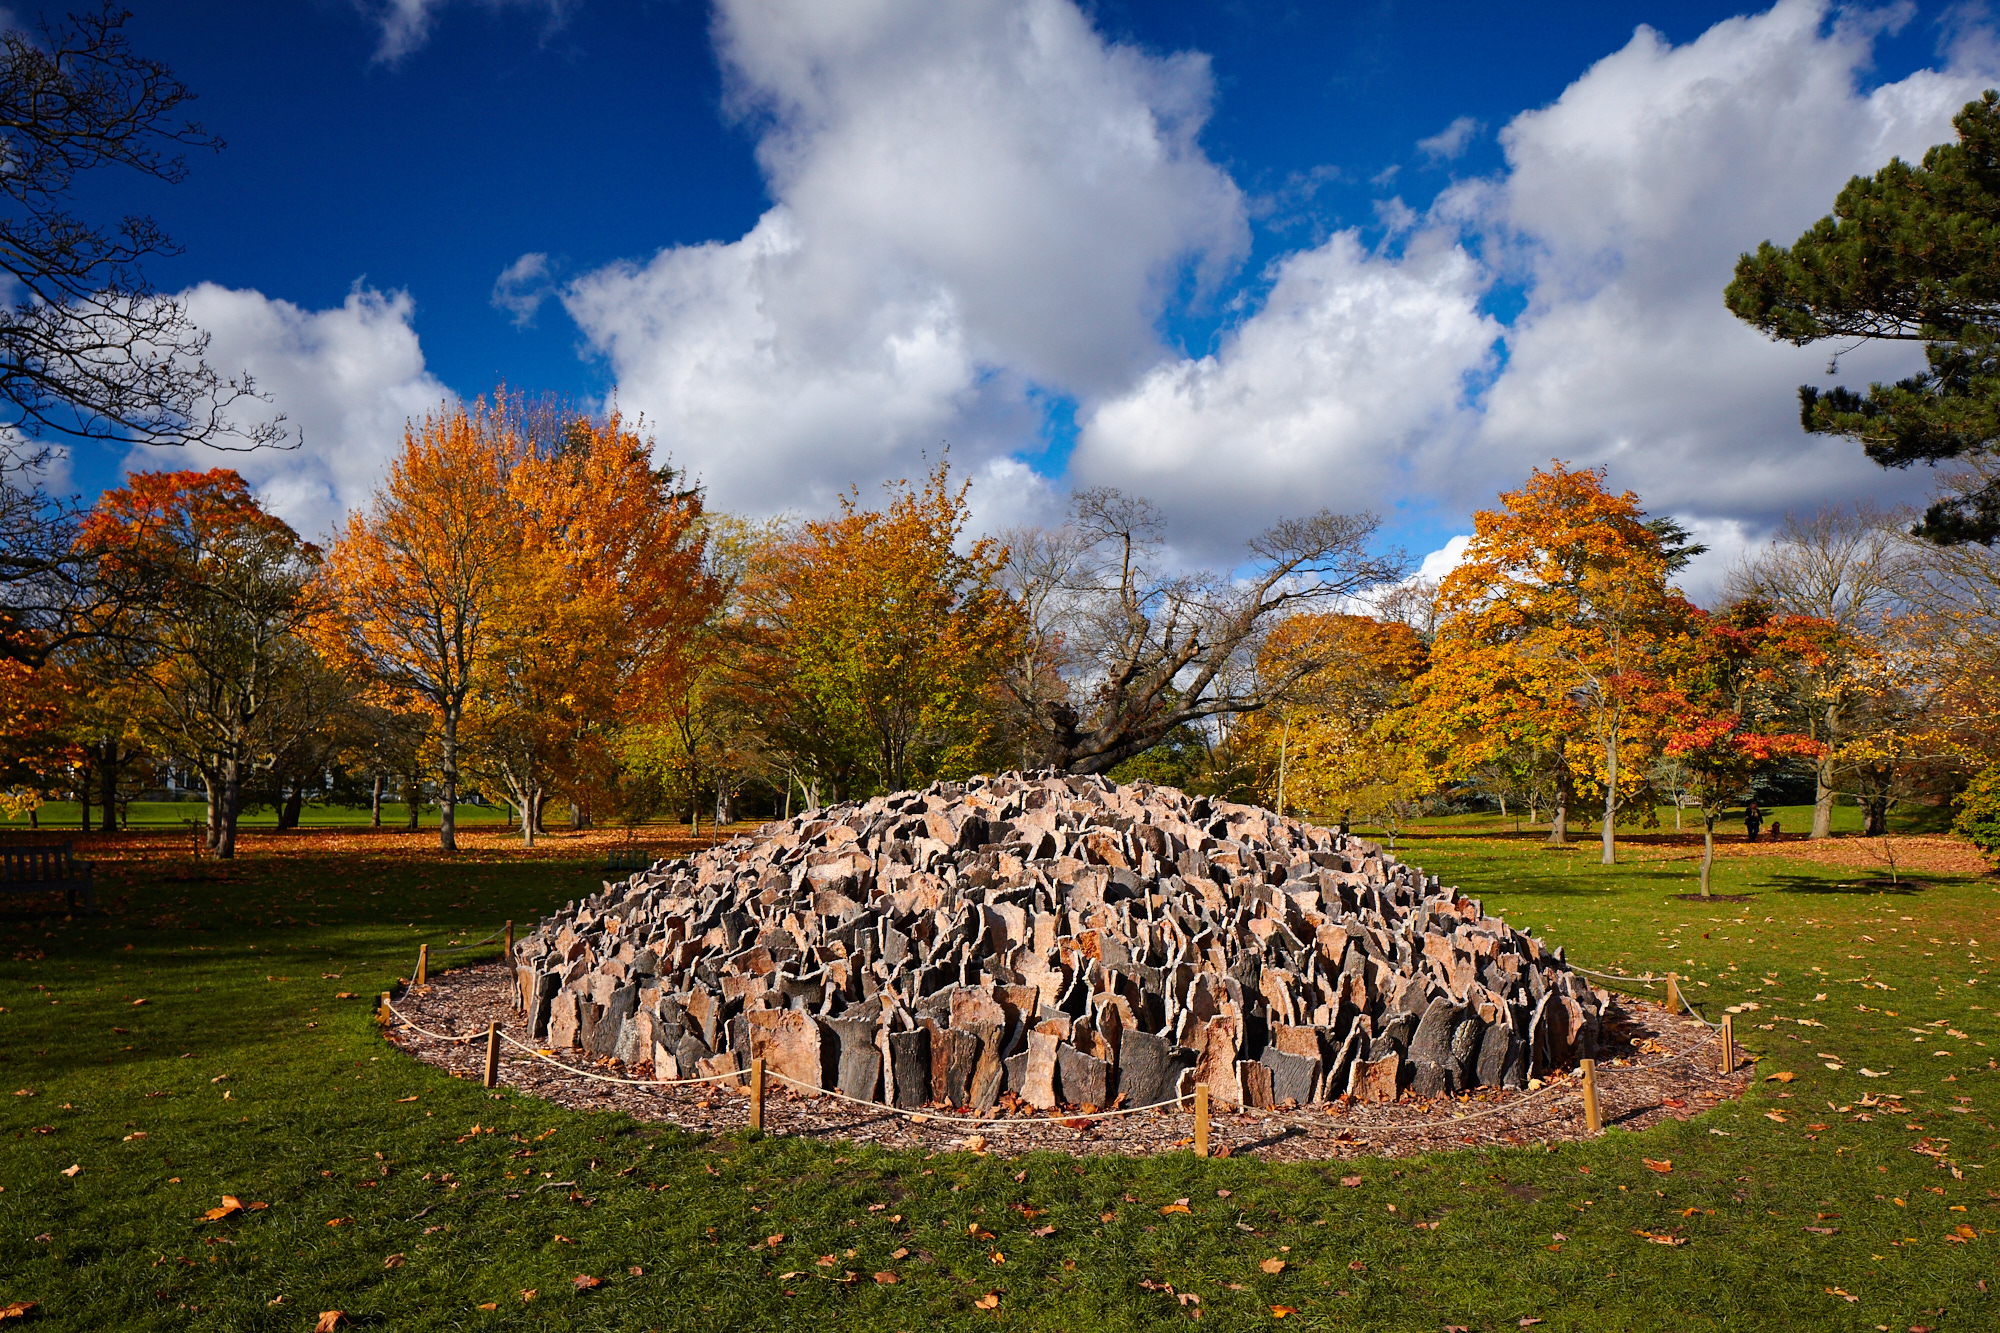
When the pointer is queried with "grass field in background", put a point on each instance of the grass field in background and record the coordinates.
(189, 1043)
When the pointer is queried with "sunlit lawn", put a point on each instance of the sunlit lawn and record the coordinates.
(242, 1073)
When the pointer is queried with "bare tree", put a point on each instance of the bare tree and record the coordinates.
(1845, 565)
(1143, 650)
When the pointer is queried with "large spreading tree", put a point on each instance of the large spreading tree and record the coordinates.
(1910, 254)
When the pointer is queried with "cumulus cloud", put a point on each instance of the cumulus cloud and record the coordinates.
(347, 379)
(406, 24)
(1632, 196)
(522, 287)
(1364, 377)
(1451, 141)
(1355, 369)
(972, 201)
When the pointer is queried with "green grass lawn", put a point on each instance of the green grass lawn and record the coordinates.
(189, 1043)
(57, 816)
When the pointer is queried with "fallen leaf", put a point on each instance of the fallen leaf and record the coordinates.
(1869, 1073)
(989, 1301)
(72, 1169)
(1527, 1322)
(393, 1261)
(1107, 1217)
(636, 1271)
(977, 1143)
(584, 1282)
(1773, 1115)
(528, 1294)
(1356, 1266)
(16, 1309)
(775, 1241)
(886, 1279)
(900, 1252)
(999, 1258)
(1280, 1311)
(329, 1320)
(1836, 1291)
(1661, 1167)
(401, 1100)
(1824, 1231)
(1349, 1182)
(1175, 1208)
(1273, 1265)
(139, 1002)
(1043, 1231)
(1784, 1076)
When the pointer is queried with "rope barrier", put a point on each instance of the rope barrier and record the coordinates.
(928, 1117)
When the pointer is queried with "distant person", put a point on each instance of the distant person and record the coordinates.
(1753, 821)
(1774, 830)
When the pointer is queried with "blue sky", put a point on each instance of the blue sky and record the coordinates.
(1245, 258)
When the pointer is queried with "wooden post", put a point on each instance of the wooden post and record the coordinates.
(423, 964)
(382, 1014)
(492, 1055)
(757, 1092)
(1593, 1119)
(1673, 994)
(1201, 1120)
(1728, 1043)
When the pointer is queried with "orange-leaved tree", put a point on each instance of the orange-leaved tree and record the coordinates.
(873, 645)
(216, 593)
(1549, 635)
(1730, 681)
(595, 624)
(417, 578)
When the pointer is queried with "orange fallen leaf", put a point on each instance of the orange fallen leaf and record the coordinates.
(775, 1241)
(490, 1305)
(636, 1271)
(1280, 1311)
(1527, 1322)
(528, 1294)
(999, 1258)
(1175, 1208)
(584, 1282)
(989, 1301)
(1784, 1076)
(329, 1320)
(393, 1261)
(1661, 1167)
(406, 1099)
(1349, 1182)
(73, 1168)
(1836, 1291)
(886, 1279)
(16, 1309)
(1272, 1265)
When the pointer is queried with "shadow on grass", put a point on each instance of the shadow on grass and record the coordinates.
(1848, 887)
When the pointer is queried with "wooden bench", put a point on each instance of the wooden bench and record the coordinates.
(50, 868)
(628, 859)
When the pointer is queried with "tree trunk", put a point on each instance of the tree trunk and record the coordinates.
(1611, 799)
(448, 796)
(1284, 735)
(375, 804)
(413, 800)
(723, 814)
(1822, 825)
(212, 785)
(295, 798)
(1559, 811)
(83, 798)
(575, 815)
(1707, 850)
(232, 797)
(107, 769)
(1875, 817)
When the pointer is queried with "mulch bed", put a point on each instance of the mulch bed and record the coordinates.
(1654, 1066)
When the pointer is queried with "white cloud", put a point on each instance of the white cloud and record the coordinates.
(971, 199)
(1622, 209)
(347, 379)
(1632, 196)
(1434, 566)
(1338, 392)
(1451, 141)
(522, 287)
(406, 24)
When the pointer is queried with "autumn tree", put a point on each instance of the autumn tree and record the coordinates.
(1847, 568)
(607, 590)
(1549, 636)
(1327, 744)
(417, 578)
(1729, 706)
(872, 643)
(215, 634)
